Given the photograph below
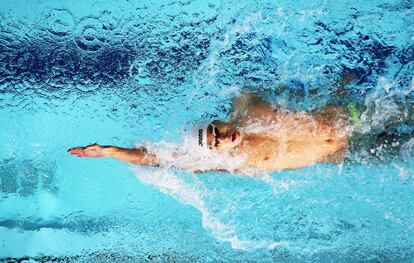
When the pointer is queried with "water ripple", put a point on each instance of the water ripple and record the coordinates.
(59, 23)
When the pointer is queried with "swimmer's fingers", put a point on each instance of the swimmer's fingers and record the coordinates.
(78, 151)
(93, 150)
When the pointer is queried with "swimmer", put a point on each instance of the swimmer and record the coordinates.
(272, 139)
(287, 139)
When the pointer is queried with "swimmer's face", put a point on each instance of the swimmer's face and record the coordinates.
(223, 136)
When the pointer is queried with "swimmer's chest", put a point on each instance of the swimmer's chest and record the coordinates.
(273, 153)
(296, 140)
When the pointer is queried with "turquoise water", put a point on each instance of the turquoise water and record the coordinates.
(124, 72)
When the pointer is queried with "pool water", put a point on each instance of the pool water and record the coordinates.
(129, 72)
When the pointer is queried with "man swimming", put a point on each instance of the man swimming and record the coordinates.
(265, 138)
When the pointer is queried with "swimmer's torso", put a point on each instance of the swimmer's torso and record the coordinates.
(276, 140)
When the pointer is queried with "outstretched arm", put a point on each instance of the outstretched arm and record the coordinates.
(139, 156)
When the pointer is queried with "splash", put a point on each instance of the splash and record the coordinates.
(190, 157)
(176, 178)
(171, 183)
(407, 150)
(386, 106)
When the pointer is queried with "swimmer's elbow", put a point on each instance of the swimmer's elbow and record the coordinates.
(147, 161)
(145, 158)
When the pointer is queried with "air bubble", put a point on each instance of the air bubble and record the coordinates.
(60, 22)
(89, 36)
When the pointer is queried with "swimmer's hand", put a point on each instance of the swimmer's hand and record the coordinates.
(92, 150)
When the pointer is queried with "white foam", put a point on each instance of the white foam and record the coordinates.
(407, 150)
(403, 174)
(192, 158)
(384, 104)
(189, 158)
(169, 182)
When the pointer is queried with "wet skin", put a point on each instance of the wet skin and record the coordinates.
(286, 139)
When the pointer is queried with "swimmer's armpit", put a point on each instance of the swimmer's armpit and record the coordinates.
(139, 156)
(245, 100)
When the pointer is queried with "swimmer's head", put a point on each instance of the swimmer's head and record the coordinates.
(218, 135)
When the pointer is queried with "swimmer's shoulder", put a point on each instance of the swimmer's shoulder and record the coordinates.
(247, 107)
